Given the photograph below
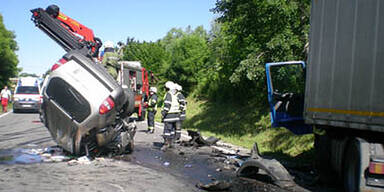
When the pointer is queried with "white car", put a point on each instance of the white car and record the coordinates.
(85, 109)
(27, 95)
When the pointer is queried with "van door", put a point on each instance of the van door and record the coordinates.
(286, 87)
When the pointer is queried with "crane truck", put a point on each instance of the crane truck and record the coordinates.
(85, 110)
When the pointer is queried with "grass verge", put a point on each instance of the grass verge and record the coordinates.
(245, 125)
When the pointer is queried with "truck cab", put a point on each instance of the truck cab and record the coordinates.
(286, 86)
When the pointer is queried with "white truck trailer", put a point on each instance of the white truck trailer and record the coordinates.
(343, 99)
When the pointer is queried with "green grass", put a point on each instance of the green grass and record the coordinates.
(245, 125)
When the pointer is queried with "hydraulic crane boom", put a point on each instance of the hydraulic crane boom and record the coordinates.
(68, 33)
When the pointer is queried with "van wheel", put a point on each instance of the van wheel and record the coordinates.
(351, 178)
(130, 147)
(77, 143)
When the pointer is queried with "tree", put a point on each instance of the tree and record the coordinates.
(152, 55)
(27, 75)
(189, 54)
(181, 56)
(252, 33)
(8, 58)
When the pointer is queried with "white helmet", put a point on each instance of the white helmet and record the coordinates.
(169, 85)
(108, 44)
(153, 89)
(178, 87)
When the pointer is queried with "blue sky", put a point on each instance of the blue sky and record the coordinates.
(114, 20)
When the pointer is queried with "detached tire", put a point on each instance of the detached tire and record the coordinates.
(351, 169)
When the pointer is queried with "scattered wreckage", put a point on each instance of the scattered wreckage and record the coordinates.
(247, 166)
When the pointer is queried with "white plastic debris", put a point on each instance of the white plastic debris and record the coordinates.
(72, 162)
(32, 151)
(59, 158)
(166, 163)
(84, 160)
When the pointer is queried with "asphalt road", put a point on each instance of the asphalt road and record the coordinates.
(146, 169)
(24, 131)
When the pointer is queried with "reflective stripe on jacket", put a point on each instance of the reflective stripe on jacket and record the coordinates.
(152, 104)
(171, 104)
(182, 101)
(172, 107)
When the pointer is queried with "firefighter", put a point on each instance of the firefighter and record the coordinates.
(183, 107)
(170, 115)
(110, 59)
(120, 49)
(152, 109)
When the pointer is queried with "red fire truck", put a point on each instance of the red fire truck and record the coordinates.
(136, 77)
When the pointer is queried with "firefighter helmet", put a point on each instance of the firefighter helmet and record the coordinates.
(169, 85)
(178, 87)
(153, 89)
(108, 44)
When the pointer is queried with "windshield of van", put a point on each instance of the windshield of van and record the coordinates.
(27, 90)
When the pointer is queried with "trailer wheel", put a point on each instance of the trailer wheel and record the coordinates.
(323, 159)
(351, 178)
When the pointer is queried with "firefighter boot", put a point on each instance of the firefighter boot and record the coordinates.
(150, 130)
(165, 145)
(171, 143)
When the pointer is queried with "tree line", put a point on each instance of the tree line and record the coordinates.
(226, 63)
(8, 58)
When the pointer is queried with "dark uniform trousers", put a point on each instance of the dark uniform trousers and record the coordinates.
(170, 122)
(151, 119)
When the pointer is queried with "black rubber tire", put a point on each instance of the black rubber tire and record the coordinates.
(351, 169)
(323, 159)
(130, 147)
